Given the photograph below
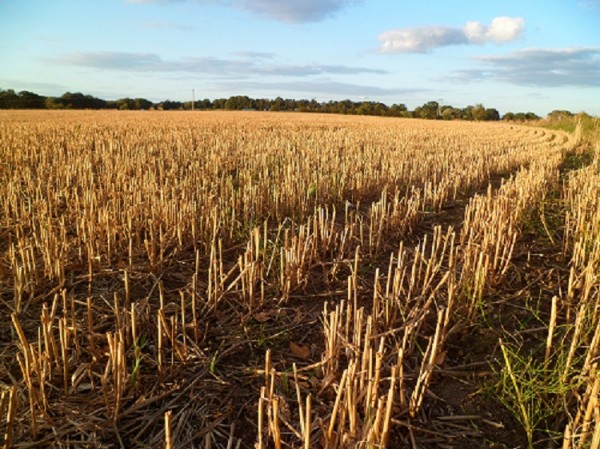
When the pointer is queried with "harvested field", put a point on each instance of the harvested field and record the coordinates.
(225, 280)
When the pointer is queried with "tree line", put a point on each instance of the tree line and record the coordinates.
(9, 99)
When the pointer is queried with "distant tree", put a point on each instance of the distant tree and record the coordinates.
(129, 104)
(9, 99)
(203, 104)
(429, 110)
(584, 116)
(262, 104)
(558, 114)
(508, 116)
(467, 113)
(365, 108)
(70, 100)
(219, 103)
(379, 108)
(451, 113)
(73, 100)
(30, 100)
(52, 103)
(346, 107)
(492, 114)
(303, 106)
(520, 117)
(371, 108)
(278, 104)
(290, 105)
(478, 112)
(397, 110)
(125, 104)
(142, 104)
(169, 105)
(239, 102)
(77, 100)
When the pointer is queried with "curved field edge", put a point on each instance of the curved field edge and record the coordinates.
(149, 268)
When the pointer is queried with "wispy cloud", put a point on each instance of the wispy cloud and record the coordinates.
(425, 39)
(294, 11)
(154, 1)
(589, 5)
(167, 26)
(319, 87)
(248, 64)
(50, 39)
(39, 87)
(541, 67)
(109, 60)
(254, 54)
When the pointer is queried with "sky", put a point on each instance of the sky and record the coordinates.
(513, 55)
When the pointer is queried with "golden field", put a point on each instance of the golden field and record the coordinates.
(250, 279)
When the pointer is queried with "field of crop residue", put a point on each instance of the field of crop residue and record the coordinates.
(264, 280)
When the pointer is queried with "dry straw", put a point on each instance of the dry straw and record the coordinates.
(144, 258)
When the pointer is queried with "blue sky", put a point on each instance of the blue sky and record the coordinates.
(525, 55)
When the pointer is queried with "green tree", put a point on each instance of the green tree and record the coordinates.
(203, 104)
(238, 103)
(278, 104)
(467, 113)
(451, 113)
(219, 103)
(302, 105)
(262, 104)
(478, 112)
(125, 104)
(30, 100)
(429, 110)
(559, 114)
(492, 114)
(77, 100)
(169, 105)
(142, 104)
(52, 103)
(397, 110)
(366, 108)
(9, 99)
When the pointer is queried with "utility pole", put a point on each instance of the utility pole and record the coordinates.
(439, 111)
(193, 98)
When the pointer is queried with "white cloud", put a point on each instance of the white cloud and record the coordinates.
(505, 29)
(475, 32)
(425, 39)
(420, 40)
